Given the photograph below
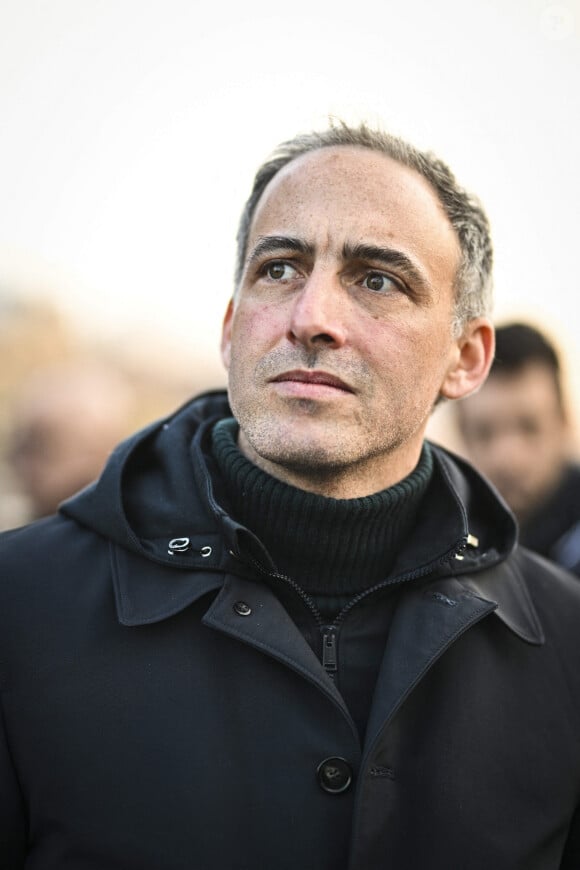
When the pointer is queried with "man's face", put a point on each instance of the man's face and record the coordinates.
(515, 432)
(339, 339)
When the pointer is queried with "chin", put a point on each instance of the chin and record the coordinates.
(301, 455)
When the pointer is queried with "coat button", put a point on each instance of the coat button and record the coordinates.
(242, 609)
(334, 775)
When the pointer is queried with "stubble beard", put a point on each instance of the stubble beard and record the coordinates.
(303, 441)
(275, 444)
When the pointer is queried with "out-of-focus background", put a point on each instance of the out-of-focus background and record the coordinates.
(129, 134)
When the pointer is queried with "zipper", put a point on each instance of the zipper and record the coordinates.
(402, 578)
(329, 650)
(330, 631)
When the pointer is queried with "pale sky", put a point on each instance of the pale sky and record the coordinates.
(130, 131)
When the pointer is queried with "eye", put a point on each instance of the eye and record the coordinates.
(378, 282)
(279, 270)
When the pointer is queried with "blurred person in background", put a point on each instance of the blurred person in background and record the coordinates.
(66, 419)
(517, 430)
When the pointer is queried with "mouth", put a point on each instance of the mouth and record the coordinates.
(311, 381)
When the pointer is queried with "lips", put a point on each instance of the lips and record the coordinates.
(313, 377)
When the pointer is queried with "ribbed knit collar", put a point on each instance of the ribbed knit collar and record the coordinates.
(329, 546)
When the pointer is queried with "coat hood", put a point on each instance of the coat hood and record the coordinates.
(159, 486)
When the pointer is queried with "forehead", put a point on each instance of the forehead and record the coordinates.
(357, 194)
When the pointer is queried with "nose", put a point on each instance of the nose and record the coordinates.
(318, 315)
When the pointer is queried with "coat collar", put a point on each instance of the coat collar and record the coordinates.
(506, 587)
(147, 592)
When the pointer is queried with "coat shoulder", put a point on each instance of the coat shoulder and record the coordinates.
(555, 595)
(547, 581)
(43, 562)
(39, 543)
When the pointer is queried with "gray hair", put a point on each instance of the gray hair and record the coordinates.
(473, 282)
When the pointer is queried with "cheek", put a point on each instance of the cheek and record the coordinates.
(416, 350)
(255, 328)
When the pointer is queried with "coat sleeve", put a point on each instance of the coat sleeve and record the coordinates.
(12, 816)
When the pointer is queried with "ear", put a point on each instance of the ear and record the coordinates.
(226, 342)
(472, 358)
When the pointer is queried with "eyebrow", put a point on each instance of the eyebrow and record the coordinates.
(276, 244)
(387, 257)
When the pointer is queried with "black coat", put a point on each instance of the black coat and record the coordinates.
(163, 712)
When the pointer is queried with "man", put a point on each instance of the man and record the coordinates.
(516, 429)
(286, 632)
(66, 419)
